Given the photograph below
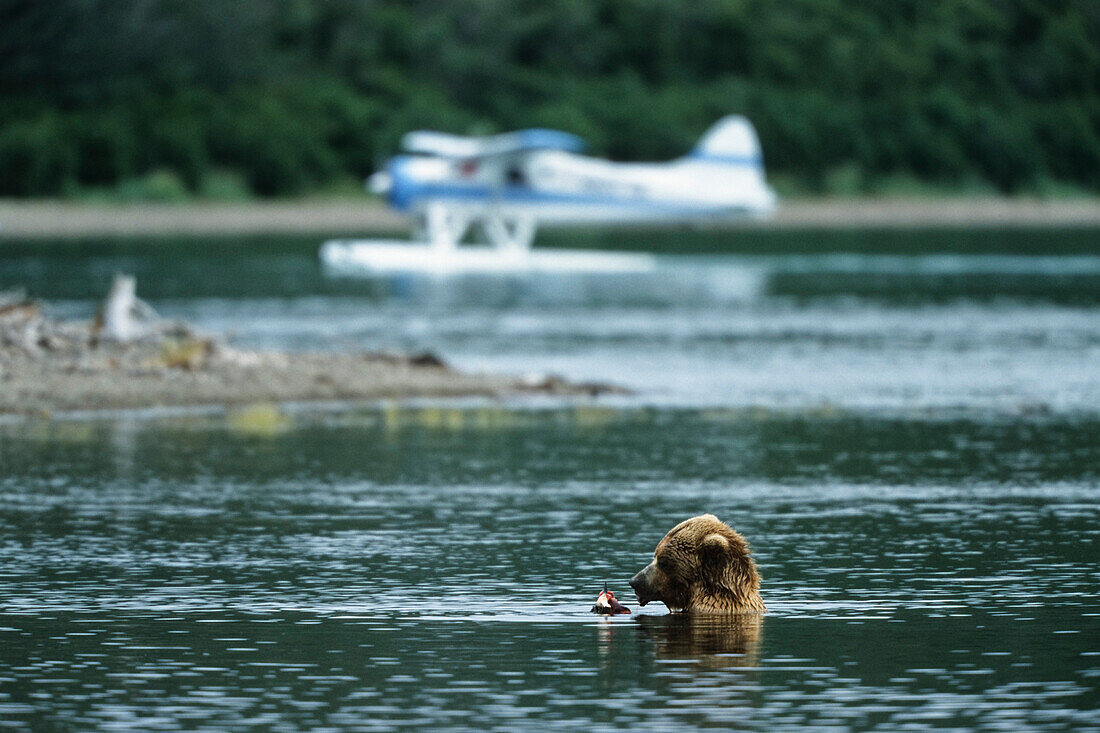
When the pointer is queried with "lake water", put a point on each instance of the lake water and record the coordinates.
(906, 427)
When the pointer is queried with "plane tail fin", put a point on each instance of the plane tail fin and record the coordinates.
(732, 139)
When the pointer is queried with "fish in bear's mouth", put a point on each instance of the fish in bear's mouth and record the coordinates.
(608, 604)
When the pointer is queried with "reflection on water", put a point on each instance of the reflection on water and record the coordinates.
(717, 640)
(859, 320)
(908, 434)
(434, 565)
(1002, 333)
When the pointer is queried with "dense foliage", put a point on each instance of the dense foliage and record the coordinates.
(227, 97)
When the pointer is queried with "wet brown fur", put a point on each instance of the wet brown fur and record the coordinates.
(704, 565)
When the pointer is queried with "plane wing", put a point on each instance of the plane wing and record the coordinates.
(444, 145)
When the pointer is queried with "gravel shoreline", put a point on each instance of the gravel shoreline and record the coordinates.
(53, 219)
(42, 387)
(49, 366)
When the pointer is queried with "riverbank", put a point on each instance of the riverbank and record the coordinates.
(349, 217)
(49, 366)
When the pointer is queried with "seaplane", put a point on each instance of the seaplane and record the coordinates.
(478, 201)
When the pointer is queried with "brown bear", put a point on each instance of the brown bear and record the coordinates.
(701, 565)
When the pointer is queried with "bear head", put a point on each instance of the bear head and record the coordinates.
(701, 565)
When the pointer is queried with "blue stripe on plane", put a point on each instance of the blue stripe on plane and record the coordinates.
(405, 191)
(412, 192)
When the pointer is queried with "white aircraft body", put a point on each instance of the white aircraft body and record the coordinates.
(506, 186)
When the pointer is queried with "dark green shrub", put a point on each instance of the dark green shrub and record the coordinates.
(36, 158)
(105, 147)
(294, 94)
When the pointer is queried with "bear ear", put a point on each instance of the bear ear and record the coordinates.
(715, 549)
(715, 542)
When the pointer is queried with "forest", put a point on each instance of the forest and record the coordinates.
(222, 99)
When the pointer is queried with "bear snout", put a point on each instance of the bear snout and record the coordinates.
(642, 583)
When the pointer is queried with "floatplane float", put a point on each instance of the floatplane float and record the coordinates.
(504, 187)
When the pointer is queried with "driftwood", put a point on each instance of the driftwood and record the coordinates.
(126, 333)
(20, 322)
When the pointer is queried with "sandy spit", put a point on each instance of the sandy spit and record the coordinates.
(49, 366)
(43, 386)
(52, 219)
